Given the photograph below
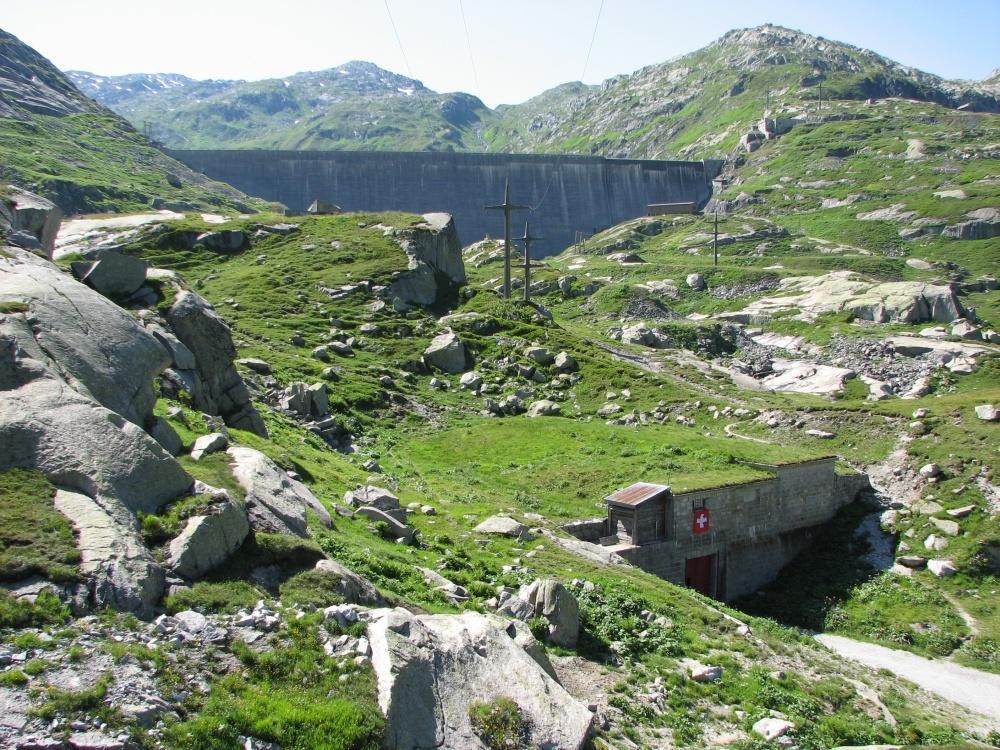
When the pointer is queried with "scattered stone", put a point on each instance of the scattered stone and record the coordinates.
(942, 568)
(988, 413)
(565, 363)
(354, 588)
(275, 502)
(447, 353)
(962, 512)
(696, 281)
(935, 543)
(951, 528)
(771, 729)
(822, 434)
(703, 673)
(206, 444)
(539, 355)
(113, 274)
(551, 600)
(162, 432)
(502, 526)
(544, 408)
(471, 380)
(208, 540)
(929, 471)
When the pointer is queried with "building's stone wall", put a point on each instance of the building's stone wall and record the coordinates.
(575, 193)
(756, 528)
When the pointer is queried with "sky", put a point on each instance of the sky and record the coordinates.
(519, 48)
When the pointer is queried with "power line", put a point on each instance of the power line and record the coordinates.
(399, 41)
(592, 38)
(586, 63)
(468, 41)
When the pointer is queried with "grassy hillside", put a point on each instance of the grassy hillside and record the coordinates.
(58, 143)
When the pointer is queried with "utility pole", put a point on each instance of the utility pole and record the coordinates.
(715, 241)
(767, 101)
(526, 240)
(507, 207)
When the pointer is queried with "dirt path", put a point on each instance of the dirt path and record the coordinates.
(728, 429)
(977, 691)
(970, 621)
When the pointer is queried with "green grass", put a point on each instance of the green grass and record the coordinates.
(71, 703)
(500, 724)
(291, 696)
(563, 468)
(13, 306)
(89, 162)
(47, 609)
(35, 538)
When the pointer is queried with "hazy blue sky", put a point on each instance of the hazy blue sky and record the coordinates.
(520, 47)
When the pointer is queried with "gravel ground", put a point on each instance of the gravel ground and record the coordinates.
(977, 691)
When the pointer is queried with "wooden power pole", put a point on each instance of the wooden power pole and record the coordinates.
(526, 240)
(507, 207)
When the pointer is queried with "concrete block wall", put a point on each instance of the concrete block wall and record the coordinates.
(577, 193)
(756, 528)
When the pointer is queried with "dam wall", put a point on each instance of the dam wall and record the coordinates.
(571, 193)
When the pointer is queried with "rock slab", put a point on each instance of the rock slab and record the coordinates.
(430, 668)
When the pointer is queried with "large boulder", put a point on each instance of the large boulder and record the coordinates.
(434, 259)
(353, 587)
(393, 524)
(544, 408)
(983, 224)
(502, 526)
(207, 540)
(798, 376)
(29, 216)
(447, 353)
(59, 412)
(551, 600)
(113, 274)
(222, 390)
(430, 668)
(94, 344)
(879, 302)
(275, 502)
(119, 569)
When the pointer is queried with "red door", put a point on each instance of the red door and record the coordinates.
(698, 574)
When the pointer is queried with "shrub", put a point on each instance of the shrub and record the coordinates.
(47, 609)
(500, 724)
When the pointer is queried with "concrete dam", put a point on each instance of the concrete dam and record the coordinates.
(569, 193)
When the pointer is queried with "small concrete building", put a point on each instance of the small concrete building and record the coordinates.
(323, 208)
(726, 541)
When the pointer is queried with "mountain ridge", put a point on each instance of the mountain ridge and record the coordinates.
(638, 114)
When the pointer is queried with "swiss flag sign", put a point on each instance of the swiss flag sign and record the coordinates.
(702, 521)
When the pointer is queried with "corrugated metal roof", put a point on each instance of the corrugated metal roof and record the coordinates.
(637, 493)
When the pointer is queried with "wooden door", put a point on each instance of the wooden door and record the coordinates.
(699, 574)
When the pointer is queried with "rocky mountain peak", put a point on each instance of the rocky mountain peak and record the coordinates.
(365, 78)
(29, 83)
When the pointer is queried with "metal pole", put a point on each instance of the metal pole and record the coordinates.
(507, 207)
(506, 249)
(526, 240)
(715, 241)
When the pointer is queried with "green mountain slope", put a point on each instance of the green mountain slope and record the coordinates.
(65, 146)
(697, 105)
(354, 106)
